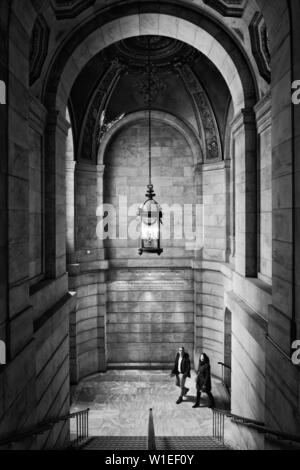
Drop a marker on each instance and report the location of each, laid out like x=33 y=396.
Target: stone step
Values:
x=118 y=443
x=188 y=443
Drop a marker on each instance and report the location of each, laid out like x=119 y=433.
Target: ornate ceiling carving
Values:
x=234 y=8
x=38 y=48
x=260 y=45
x=164 y=52
x=130 y=57
x=65 y=9
x=206 y=121
x=91 y=129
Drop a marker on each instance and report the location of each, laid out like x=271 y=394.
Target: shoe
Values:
x=212 y=406
x=186 y=391
x=196 y=405
x=179 y=401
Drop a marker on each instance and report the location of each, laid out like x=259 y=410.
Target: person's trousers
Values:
x=180 y=382
x=208 y=393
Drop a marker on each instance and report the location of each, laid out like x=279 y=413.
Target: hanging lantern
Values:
x=150 y=220
x=150 y=213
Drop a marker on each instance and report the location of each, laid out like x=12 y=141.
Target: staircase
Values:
x=119 y=443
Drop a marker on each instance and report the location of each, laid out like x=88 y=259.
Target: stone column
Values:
x=70 y=208
x=245 y=161
x=88 y=198
x=229 y=201
x=55 y=194
x=88 y=275
x=214 y=207
x=263 y=118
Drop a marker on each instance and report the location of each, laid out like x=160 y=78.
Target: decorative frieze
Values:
x=206 y=119
x=91 y=130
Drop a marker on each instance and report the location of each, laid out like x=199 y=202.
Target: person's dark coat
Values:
x=185 y=365
x=203 y=375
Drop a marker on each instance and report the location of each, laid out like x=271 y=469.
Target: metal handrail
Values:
x=82 y=428
x=265 y=430
x=241 y=419
x=151 y=433
x=218 y=426
x=224 y=365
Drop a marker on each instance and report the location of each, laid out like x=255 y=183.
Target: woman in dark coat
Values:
x=203 y=381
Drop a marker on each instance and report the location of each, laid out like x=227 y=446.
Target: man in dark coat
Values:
x=203 y=381
x=181 y=370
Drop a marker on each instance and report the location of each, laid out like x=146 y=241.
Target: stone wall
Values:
x=53 y=372
x=34 y=385
x=150 y=313
x=4 y=8
x=126 y=175
x=36 y=190
x=87 y=324
x=209 y=314
x=248 y=369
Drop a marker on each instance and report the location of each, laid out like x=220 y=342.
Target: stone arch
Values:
x=182 y=127
x=208 y=38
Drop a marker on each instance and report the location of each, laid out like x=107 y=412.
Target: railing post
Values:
x=151 y=433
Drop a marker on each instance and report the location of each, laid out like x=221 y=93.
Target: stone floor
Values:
x=119 y=403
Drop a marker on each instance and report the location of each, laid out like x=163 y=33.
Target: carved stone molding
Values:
x=169 y=119
x=90 y=135
x=55 y=121
x=206 y=121
x=234 y=8
x=260 y=45
x=38 y=48
x=263 y=112
x=67 y=9
x=37 y=115
x=245 y=118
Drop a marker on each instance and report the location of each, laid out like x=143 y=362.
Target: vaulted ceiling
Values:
x=170 y=59
x=190 y=85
